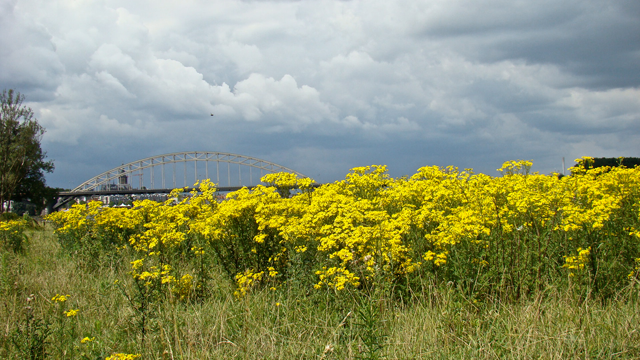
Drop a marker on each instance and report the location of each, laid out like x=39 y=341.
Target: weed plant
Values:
x=444 y=264
x=432 y=321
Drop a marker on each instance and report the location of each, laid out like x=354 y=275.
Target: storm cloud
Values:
x=323 y=86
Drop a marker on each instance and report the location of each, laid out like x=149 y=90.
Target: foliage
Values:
x=31 y=336
x=8 y=216
x=369 y=329
x=507 y=236
x=587 y=163
x=21 y=156
x=470 y=237
x=34 y=194
x=12 y=236
x=431 y=319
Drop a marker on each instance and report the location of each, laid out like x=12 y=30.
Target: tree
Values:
x=21 y=156
x=587 y=163
x=32 y=189
x=628 y=162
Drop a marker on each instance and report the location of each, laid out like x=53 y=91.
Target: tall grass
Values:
x=445 y=264
x=430 y=321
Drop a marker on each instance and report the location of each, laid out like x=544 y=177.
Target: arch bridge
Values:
x=163 y=173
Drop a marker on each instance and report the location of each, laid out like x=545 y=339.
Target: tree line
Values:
x=22 y=161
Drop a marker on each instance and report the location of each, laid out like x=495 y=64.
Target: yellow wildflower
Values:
x=87 y=339
x=71 y=312
x=60 y=298
x=121 y=356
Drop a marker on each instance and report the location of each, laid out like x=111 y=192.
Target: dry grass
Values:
x=290 y=323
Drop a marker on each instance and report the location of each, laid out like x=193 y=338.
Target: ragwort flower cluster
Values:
x=514 y=233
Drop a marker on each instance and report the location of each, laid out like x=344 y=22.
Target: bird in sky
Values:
x=211 y=114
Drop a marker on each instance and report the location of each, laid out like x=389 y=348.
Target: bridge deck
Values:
x=139 y=191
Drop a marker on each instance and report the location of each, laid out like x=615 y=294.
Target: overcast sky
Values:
x=323 y=86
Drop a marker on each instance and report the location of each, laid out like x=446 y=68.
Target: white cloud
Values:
x=246 y=57
x=281 y=101
x=614 y=105
x=368 y=79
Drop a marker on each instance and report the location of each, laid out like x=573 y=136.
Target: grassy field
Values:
x=425 y=321
x=443 y=264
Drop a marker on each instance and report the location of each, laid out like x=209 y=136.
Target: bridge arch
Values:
x=118 y=177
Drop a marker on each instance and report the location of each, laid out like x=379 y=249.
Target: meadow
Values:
x=445 y=263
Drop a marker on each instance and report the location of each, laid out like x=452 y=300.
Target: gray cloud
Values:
x=325 y=86
x=599 y=41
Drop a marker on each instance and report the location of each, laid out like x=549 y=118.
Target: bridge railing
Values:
x=162 y=173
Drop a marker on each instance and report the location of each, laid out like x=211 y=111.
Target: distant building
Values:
x=123 y=183
x=123 y=178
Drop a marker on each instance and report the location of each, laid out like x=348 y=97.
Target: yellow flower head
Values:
x=577 y=262
x=121 y=356
x=136 y=264
x=60 y=298
x=71 y=312
x=87 y=339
